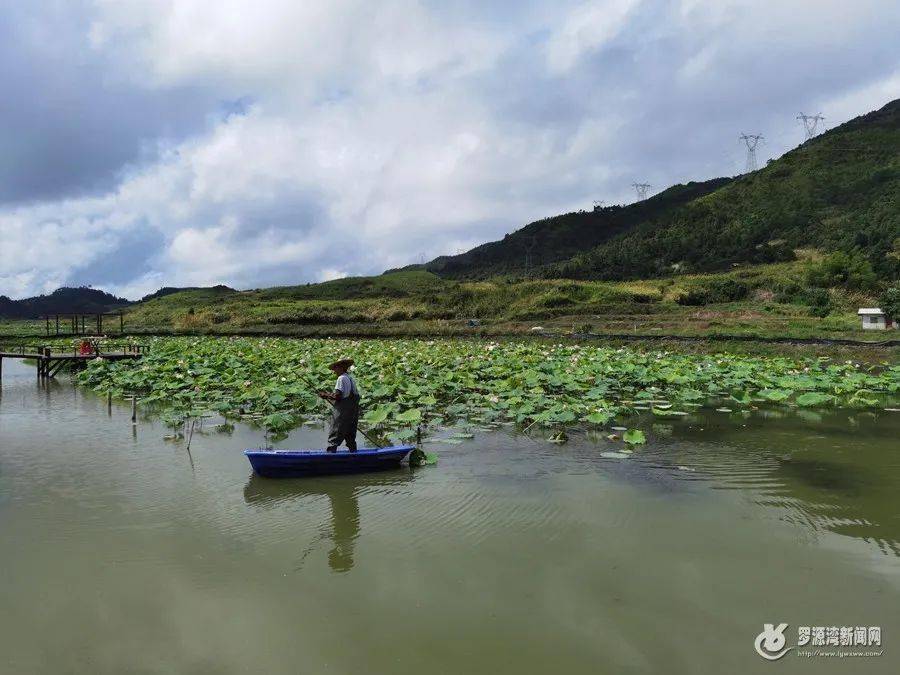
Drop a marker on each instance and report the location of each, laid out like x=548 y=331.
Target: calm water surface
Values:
x=123 y=552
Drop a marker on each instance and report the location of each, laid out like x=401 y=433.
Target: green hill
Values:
x=562 y=237
x=171 y=290
x=361 y=299
x=837 y=192
x=62 y=300
x=740 y=301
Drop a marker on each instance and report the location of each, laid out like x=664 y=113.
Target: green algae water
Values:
x=124 y=552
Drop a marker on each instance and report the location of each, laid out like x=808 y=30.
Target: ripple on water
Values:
x=839 y=482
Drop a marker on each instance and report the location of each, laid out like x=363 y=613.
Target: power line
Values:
x=642 y=189
x=810 y=123
x=751 y=141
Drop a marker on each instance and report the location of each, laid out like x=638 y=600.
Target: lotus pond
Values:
x=414 y=385
x=128 y=548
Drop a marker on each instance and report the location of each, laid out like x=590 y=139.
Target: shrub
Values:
x=817 y=299
x=398 y=315
x=556 y=299
x=787 y=292
x=848 y=270
x=889 y=301
x=771 y=253
x=583 y=329
x=713 y=291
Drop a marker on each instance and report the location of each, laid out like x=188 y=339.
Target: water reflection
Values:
x=835 y=472
x=343 y=493
x=820 y=474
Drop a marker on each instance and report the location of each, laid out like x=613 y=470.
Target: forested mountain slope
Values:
x=561 y=237
x=838 y=191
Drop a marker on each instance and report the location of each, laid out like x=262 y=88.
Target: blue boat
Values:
x=284 y=463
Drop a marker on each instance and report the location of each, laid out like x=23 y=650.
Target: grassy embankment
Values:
x=418 y=302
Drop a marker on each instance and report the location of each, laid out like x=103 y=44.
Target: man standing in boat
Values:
x=345 y=416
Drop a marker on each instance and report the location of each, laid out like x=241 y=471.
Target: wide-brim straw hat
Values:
x=341 y=362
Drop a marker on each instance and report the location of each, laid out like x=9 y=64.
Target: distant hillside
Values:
x=62 y=300
x=561 y=237
x=336 y=301
x=838 y=191
x=171 y=290
x=758 y=300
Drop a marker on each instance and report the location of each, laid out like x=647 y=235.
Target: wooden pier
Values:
x=80 y=323
x=51 y=359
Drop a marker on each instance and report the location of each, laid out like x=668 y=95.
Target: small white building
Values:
x=874 y=319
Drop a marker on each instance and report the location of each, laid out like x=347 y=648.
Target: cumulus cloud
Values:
x=285 y=142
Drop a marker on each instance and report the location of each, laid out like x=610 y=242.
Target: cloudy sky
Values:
x=191 y=142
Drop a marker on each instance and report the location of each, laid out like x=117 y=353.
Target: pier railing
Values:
x=51 y=358
x=42 y=350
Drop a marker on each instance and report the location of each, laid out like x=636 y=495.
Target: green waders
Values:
x=344 y=420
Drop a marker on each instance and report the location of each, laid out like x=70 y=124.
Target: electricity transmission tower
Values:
x=751 y=140
x=599 y=204
x=810 y=123
x=642 y=190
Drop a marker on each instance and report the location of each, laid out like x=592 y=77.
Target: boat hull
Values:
x=294 y=463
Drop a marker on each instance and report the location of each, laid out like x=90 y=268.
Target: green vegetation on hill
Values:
x=772 y=300
x=562 y=237
x=62 y=300
x=837 y=192
x=760 y=300
x=170 y=290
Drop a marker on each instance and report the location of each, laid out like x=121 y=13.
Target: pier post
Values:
x=134 y=409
